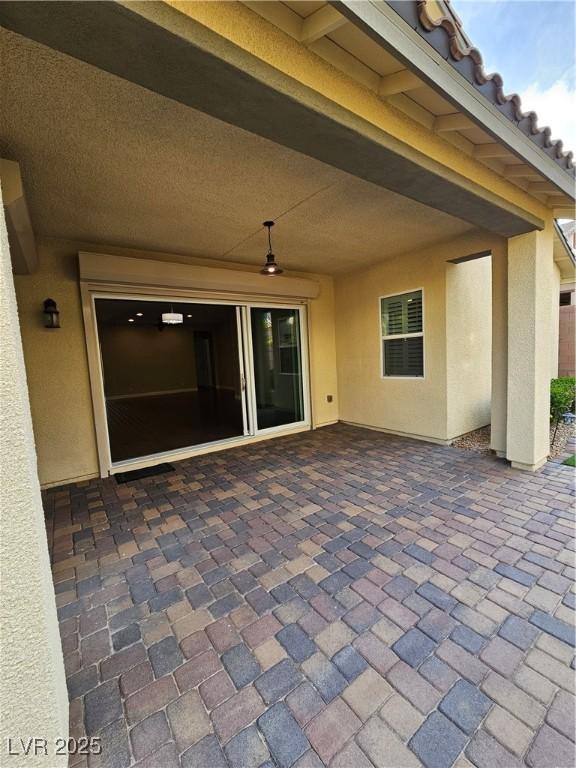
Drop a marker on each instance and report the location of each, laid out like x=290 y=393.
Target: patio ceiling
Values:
x=196 y=63
x=106 y=161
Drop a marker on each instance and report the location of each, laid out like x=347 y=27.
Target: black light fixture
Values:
x=51 y=310
x=270 y=268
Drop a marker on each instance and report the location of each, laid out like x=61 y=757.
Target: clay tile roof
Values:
x=448 y=39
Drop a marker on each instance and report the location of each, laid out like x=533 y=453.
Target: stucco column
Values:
x=499 y=349
x=33 y=697
x=531 y=282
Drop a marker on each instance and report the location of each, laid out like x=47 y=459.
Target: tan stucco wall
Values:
x=468 y=345
x=531 y=331
x=322 y=341
x=33 y=696
x=57 y=367
x=499 y=347
x=419 y=407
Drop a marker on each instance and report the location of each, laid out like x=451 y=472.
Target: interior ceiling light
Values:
x=172 y=318
x=130 y=319
x=138 y=314
x=188 y=315
x=270 y=268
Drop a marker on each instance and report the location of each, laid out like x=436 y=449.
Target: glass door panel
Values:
x=169 y=386
x=277 y=361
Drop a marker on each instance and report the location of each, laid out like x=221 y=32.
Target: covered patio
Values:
x=341 y=598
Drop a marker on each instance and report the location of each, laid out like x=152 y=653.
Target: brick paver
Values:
x=341 y=597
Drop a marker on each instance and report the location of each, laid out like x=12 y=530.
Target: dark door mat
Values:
x=139 y=474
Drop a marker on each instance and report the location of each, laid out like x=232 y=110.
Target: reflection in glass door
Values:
x=277 y=361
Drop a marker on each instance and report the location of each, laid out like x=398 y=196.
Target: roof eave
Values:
x=566 y=259
x=382 y=21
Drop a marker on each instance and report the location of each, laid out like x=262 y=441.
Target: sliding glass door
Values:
x=277 y=367
x=181 y=375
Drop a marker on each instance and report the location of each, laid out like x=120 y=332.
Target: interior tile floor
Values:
x=337 y=598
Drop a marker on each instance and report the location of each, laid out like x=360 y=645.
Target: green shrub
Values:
x=562 y=397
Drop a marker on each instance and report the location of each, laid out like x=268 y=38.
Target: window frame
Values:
x=383 y=338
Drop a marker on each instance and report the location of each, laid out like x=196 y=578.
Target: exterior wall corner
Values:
x=33 y=697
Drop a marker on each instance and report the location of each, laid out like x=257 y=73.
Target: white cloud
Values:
x=556 y=108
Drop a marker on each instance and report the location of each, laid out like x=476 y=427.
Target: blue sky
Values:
x=532 y=44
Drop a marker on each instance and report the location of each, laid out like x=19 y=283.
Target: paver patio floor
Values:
x=340 y=597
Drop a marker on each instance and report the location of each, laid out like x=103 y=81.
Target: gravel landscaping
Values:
x=479 y=439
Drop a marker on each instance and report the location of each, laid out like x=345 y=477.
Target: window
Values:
x=565 y=299
x=402 y=335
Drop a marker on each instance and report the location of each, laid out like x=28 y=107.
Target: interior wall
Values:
x=469 y=345
x=225 y=346
x=419 y=407
x=57 y=368
x=143 y=360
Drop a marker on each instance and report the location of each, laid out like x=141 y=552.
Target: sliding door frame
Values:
x=303 y=332
x=91 y=292
x=246 y=418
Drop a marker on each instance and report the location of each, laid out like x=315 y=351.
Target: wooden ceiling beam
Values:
x=398 y=82
x=563 y=211
x=488 y=151
x=544 y=188
x=453 y=122
x=521 y=172
x=321 y=23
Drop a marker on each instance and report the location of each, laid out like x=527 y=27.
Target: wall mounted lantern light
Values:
x=52 y=313
x=270 y=268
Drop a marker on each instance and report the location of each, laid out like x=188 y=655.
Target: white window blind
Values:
x=402 y=335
